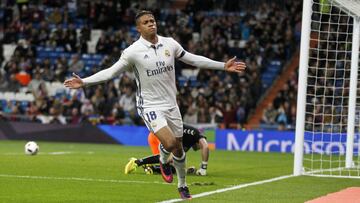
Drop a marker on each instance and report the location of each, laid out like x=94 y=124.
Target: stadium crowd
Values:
x=216 y=29
x=328 y=79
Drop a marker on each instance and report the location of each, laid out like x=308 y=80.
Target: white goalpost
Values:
x=328 y=104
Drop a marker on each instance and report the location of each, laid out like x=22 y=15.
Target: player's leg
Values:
x=157 y=123
x=179 y=156
x=133 y=163
x=179 y=162
x=153 y=142
x=156 y=169
x=154 y=159
x=168 y=144
x=154 y=146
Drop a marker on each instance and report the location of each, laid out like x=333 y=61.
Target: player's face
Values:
x=147 y=25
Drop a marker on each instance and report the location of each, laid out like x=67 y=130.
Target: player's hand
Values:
x=201 y=172
x=74 y=83
x=235 y=66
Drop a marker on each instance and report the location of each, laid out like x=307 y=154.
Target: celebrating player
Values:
x=192 y=138
x=151 y=59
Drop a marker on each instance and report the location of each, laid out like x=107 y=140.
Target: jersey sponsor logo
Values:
x=167 y=53
x=161 y=68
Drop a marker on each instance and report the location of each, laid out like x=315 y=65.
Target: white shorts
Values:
x=156 y=118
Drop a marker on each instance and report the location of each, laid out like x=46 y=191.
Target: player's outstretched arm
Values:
x=74 y=83
x=202 y=62
x=235 y=66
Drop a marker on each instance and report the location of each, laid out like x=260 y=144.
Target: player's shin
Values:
x=164 y=154
x=148 y=160
x=180 y=166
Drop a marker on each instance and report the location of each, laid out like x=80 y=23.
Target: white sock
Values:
x=180 y=166
x=204 y=165
x=164 y=155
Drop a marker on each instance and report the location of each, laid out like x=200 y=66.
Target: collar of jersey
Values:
x=149 y=44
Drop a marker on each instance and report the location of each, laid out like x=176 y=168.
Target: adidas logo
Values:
x=146 y=56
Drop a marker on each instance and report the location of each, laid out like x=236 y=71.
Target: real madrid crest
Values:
x=167 y=53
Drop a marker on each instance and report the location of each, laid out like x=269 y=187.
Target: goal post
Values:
x=328 y=100
x=303 y=66
x=353 y=91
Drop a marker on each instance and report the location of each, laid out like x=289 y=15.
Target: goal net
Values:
x=328 y=111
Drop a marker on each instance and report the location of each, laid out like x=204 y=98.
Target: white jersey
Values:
x=154 y=70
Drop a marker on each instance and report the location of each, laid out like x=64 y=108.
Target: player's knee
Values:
x=178 y=150
x=170 y=144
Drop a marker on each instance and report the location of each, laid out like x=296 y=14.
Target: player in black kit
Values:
x=192 y=138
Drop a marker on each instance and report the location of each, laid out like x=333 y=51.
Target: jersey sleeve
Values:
x=120 y=66
x=196 y=60
x=179 y=50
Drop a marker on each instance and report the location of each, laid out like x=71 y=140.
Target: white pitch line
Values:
x=52 y=153
x=80 y=179
x=230 y=188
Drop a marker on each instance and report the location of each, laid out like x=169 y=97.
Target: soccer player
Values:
x=151 y=59
x=192 y=138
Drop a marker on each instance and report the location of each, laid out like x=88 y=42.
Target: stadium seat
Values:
x=39 y=48
x=182 y=81
x=59 y=49
x=30 y=97
x=20 y=96
x=272 y=70
x=193 y=81
x=9 y=96
x=97 y=56
x=54 y=55
x=86 y=56
x=48 y=49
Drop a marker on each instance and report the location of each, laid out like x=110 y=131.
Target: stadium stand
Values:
x=53 y=39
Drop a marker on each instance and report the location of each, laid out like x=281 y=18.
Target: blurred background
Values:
x=44 y=41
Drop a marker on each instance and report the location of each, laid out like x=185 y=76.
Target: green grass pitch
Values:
x=95 y=173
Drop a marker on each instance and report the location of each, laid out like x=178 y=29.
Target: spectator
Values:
x=71 y=104
x=76 y=65
x=216 y=116
x=229 y=114
x=55 y=16
x=23 y=77
x=87 y=107
x=257 y=35
x=13 y=85
x=191 y=116
x=269 y=115
x=75 y=118
x=56 y=116
x=35 y=83
x=127 y=100
x=281 y=116
x=41 y=92
x=3 y=83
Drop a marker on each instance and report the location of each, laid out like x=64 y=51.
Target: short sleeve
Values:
x=179 y=50
x=125 y=58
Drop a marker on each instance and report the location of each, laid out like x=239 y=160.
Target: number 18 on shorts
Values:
x=157 y=119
